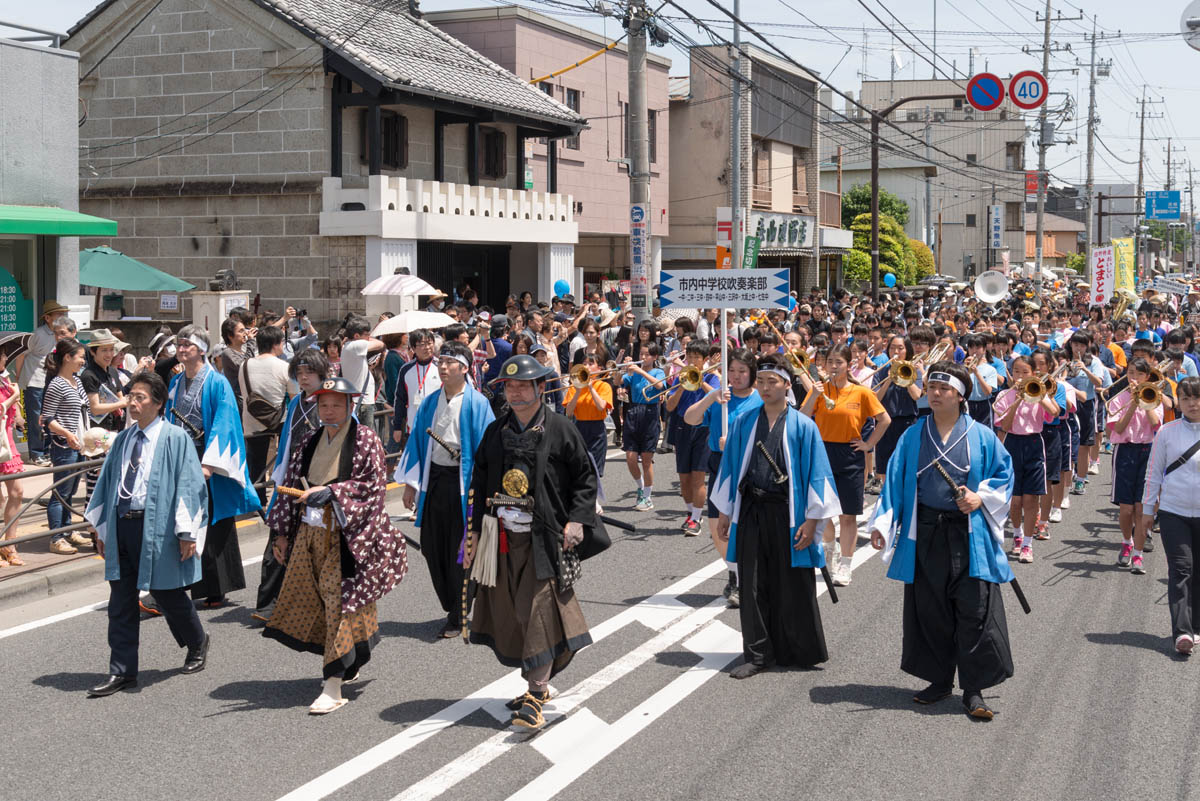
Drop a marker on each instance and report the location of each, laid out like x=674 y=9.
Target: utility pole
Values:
x=1092 y=122
x=1168 y=186
x=1191 y=216
x=639 y=163
x=933 y=61
x=928 y=180
x=1140 y=266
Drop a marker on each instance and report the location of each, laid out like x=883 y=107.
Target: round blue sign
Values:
x=985 y=91
x=637 y=213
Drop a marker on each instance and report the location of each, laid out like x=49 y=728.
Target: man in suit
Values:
x=149 y=512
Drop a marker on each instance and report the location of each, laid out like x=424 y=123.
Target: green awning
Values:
x=53 y=221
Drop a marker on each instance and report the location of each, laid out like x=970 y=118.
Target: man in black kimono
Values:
x=533 y=486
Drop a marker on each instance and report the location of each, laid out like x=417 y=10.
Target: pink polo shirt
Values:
x=1028 y=419
x=1139 y=429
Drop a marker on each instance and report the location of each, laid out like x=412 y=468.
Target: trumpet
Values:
x=824 y=378
x=690 y=379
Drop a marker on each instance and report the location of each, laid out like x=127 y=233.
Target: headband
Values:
x=774 y=370
x=458 y=357
x=946 y=378
x=200 y=344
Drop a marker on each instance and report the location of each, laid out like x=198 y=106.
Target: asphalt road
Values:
x=1099 y=707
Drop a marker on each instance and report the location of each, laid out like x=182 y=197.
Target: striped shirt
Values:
x=65 y=404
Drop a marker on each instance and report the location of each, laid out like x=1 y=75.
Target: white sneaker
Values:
x=1066 y=503
x=841 y=572
x=1094 y=469
x=1055 y=515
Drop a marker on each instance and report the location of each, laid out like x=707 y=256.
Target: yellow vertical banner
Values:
x=1123 y=252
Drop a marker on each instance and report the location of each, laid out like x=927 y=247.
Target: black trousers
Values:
x=781 y=623
x=441 y=536
x=1181 y=542
x=952 y=620
x=221 y=562
x=123 y=614
x=258 y=449
x=270 y=576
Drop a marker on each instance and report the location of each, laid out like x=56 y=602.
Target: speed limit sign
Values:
x=1028 y=89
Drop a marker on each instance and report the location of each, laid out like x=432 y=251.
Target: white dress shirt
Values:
x=1176 y=493
x=445 y=425
x=140 y=482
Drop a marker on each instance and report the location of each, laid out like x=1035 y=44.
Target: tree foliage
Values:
x=858 y=201
x=924 y=257
x=895 y=254
x=1077 y=262
x=856 y=266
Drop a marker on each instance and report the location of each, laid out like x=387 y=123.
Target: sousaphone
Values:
x=991 y=286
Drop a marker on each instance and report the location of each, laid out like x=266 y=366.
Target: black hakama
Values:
x=441 y=537
x=952 y=620
x=781 y=623
x=220 y=561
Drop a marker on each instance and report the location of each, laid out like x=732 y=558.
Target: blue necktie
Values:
x=125 y=496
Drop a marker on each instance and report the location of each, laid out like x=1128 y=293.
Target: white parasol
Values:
x=400 y=284
x=408 y=321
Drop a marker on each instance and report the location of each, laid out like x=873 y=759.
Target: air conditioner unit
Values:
x=912 y=116
x=939 y=116
x=969 y=113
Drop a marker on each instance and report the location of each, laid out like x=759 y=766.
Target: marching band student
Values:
x=1087 y=374
x=590 y=405
x=1131 y=429
x=841 y=430
x=1022 y=420
x=435 y=470
x=691 y=442
x=899 y=402
x=1053 y=432
x=706 y=413
x=775 y=485
x=1171 y=480
x=923 y=340
x=983 y=380
x=948 y=547
x=642 y=427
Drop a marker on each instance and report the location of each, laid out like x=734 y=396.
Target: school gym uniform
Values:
x=691 y=442
x=712 y=421
x=1053 y=432
x=1086 y=413
x=901 y=407
x=979 y=402
x=853 y=406
x=590 y=421
x=1132 y=450
x=1024 y=443
x=642 y=424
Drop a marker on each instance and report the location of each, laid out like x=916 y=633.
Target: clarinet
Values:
x=195 y=433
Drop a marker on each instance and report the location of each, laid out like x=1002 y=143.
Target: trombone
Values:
x=577 y=377
x=799 y=359
x=690 y=379
x=1031 y=389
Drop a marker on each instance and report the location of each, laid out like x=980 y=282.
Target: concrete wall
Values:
x=532 y=45
x=39 y=140
x=206 y=140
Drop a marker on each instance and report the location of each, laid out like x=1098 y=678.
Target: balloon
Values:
x=889 y=280
x=561 y=287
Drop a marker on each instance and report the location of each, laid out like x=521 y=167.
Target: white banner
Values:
x=724 y=289
x=1172 y=287
x=1104 y=275
x=996 y=226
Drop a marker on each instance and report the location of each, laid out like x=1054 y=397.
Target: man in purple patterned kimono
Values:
x=341 y=550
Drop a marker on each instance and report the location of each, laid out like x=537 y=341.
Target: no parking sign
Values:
x=985 y=91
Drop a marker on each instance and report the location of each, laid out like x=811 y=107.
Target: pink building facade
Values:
x=589 y=169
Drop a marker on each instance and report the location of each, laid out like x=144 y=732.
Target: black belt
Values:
x=134 y=514
x=764 y=496
x=930 y=514
x=452 y=469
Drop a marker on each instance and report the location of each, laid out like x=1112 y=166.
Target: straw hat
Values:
x=96 y=441
x=102 y=336
x=53 y=307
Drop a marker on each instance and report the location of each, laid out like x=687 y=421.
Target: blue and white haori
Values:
x=989 y=474
x=813 y=494
x=176 y=506
x=474 y=416
x=224 y=450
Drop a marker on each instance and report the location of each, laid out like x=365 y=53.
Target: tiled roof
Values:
x=407 y=53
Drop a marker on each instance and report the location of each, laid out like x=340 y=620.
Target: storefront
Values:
x=30 y=258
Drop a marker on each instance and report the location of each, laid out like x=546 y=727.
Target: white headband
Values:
x=777 y=371
x=946 y=378
x=200 y=344
x=458 y=357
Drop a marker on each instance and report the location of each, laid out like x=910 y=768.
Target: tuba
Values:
x=991 y=286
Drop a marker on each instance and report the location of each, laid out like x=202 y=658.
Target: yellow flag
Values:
x=1123 y=252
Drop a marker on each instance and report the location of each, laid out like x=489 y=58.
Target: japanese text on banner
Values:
x=1103 y=274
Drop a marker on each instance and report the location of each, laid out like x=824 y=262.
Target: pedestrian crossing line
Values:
x=663 y=603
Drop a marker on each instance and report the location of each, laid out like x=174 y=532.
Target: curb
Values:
x=61 y=579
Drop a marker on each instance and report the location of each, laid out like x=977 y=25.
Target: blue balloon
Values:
x=561 y=287
x=889 y=279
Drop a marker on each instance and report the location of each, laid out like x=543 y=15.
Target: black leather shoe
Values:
x=114 y=684
x=197 y=657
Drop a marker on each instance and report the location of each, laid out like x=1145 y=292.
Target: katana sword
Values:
x=455 y=453
x=959 y=492
x=781 y=478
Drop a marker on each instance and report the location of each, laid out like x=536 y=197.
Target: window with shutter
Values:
x=495 y=154
x=394 y=139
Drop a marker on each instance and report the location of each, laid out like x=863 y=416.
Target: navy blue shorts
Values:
x=1028 y=455
x=1087 y=422
x=1052 y=442
x=691 y=449
x=847 y=465
x=981 y=411
x=1072 y=442
x=595 y=439
x=887 y=443
x=868 y=429
x=642 y=428
x=714 y=467
x=1129 y=472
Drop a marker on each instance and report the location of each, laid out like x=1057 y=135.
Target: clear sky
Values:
x=828 y=36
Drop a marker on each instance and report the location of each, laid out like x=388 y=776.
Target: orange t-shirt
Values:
x=853 y=404
x=586 y=409
x=1118 y=354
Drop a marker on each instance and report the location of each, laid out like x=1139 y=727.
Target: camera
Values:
x=302 y=313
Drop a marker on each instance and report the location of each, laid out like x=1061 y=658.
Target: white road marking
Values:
x=502 y=689
x=83 y=610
